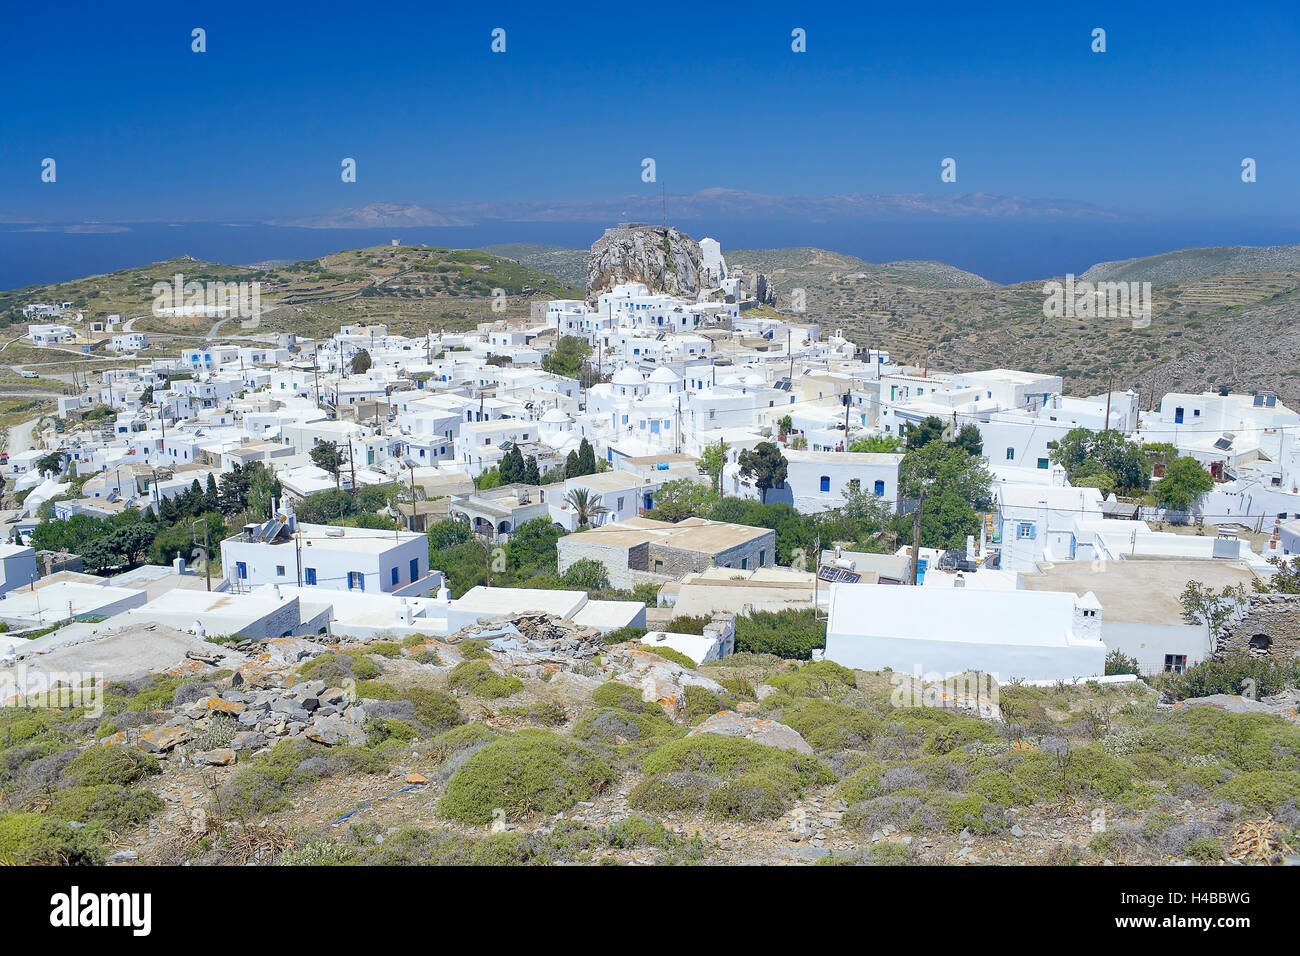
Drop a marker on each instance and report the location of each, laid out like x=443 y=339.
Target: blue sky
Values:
x=256 y=127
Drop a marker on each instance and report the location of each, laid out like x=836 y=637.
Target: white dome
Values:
x=730 y=381
x=627 y=376
x=555 y=415
x=665 y=375
x=753 y=378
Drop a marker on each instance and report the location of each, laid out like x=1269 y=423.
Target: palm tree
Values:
x=585 y=505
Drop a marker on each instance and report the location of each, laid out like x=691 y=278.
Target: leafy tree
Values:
x=876 y=444
x=326 y=456
x=586 y=575
x=712 y=462
x=765 y=466
x=489 y=478
x=1183 y=484
x=361 y=362
x=1080 y=451
x=447 y=534
x=327 y=507
x=211 y=497
x=1286 y=580
x=52 y=463
x=587 y=458
x=568 y=356
x=513 y=468
x=950 y=484
x=1202 y=606
x=683 y=498
x=923 y=432
x=585 y=505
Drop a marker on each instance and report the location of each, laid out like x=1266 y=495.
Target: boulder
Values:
x=758 y=729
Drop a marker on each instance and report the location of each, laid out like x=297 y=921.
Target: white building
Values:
x=325 y=556
x=1031 y=635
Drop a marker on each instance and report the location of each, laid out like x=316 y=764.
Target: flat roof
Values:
x=1136 y=590
x=958 y=615
x=693 y=534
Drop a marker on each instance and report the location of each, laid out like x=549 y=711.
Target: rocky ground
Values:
x=531 y=741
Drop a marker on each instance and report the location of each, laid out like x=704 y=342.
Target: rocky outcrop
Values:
x=665 y=260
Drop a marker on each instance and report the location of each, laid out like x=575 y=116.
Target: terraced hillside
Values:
x=1226 y=328
x=412 y=288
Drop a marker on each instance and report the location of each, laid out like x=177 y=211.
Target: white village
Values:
x=365 y=453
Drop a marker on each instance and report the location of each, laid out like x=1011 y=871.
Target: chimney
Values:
x=179 y=564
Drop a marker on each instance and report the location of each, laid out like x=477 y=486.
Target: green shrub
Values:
x=818 y=679
x=476 y=677
x=624 y=697
x=671 y=793
x=688 y=625
x=108 y=765
x=385 y=649
x=973 y=812
x=700 y=703
x=787 y=634
x=328 y=668
x=750 y=797
x=435 y=709
x=453 y=741
x=106 y=803
x=28 y=839
x=1229 y=675
x=731 y=756
x=739 y=688
x=825 y=725
x=748 y=780
x=318 y=853
x=473 y=649
x=668 y=654
x=531 y=771
x=1205 y=849
x=862 y=784
x=547 y=713
x=1261 y=790
x=613 y=728
x=619 y=635
x=363 y=668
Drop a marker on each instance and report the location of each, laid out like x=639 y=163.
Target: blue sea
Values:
x=1001 y=250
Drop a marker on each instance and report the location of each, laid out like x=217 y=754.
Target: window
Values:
x=1025 y=531
x=1043 y=463
x=879 y=489
x=1176 y=663
x=356 y=581
x=279 y=570
x=309 y=575
x=826 y=483
x=1011 y=454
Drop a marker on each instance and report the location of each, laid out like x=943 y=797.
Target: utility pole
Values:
x=916 y=536
x=1106 y=426
x=207 y=554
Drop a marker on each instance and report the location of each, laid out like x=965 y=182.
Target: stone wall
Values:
x=1271 y=628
